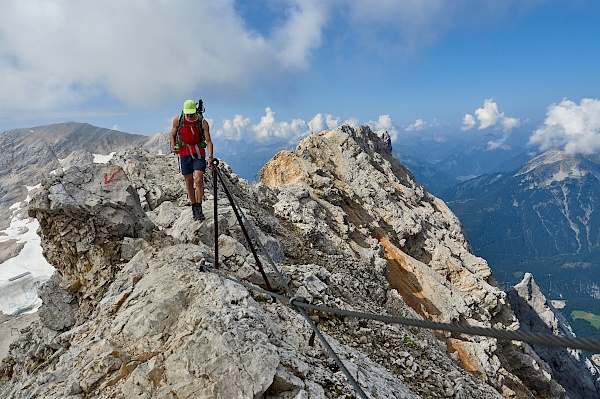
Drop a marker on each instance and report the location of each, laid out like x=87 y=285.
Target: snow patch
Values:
x=21 y=275
x=572 y=172
x=99 y=158
x=560 y=176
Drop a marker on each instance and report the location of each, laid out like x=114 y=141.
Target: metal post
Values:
x=245 y=232
x=214 y=163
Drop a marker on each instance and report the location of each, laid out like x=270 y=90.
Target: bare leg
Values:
x=199 y=181
x=189 y=186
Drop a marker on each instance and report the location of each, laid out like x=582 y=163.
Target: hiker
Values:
x=190 y=138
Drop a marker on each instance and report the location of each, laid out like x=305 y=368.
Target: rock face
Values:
x=348 y=226
x=576 y=373
x=26 y=155
x=83 y=217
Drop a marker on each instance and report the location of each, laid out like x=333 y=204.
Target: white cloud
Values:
x=266 y=129
x=468 y=122
x=418 y=125
x=385 y=123
x=301 y=33
x=576 y=128
x=499 y=144
x=234 y=129
x=323 y=122
x=490 y=117
x=509 y=124
x=269 y=128
x=352 y=122
x=63 y=53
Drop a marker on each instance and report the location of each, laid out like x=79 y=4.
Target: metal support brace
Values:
x=295 y=298
x=216 y=173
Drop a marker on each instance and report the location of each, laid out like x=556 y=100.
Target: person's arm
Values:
x=174 y=126
x=209 y=143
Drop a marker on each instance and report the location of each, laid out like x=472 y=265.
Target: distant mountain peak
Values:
x=536 y=220
x=556 y=165
x=537 y=315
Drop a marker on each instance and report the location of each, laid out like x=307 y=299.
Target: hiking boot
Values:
x=197 y=211
x=200 y=214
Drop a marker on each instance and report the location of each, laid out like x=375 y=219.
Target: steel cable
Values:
x=587 y=344
x=251 y=230
x=300 y=304
x=312 y=325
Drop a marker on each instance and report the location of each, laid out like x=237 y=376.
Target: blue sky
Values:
x=283 y=68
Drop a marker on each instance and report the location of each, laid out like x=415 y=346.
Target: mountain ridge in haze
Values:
x=541 y=218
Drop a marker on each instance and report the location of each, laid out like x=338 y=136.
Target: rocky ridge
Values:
x=30 y=153
x=571 y=368
x=130 y=314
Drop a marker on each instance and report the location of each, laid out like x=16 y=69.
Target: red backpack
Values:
x=193 y=135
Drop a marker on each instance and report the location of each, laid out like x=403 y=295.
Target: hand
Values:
x=175 y=150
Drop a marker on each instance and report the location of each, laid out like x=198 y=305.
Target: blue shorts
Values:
x=189 y=164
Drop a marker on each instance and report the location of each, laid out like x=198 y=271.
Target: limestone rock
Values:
x=83 y=218
x=576 y=373
x=347 y=227
x=59 y=311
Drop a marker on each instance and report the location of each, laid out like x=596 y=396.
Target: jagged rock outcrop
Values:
x=84 y=215
x=576 y=373
x=27 y=154
x=349 y=227
x=356 y=192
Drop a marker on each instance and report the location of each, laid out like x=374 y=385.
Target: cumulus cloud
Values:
x=323 y=122
x=490 y=116
x=384 y=122
x=499 y=144
x=576 y=128
x=269 y=128
x=234 y=129
x=418 y=125
x=468 y=122
x=59 y=53
x=352 y=122
x=509 y=124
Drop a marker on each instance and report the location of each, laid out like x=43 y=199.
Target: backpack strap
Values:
x=179 y=123
x=201 y=143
